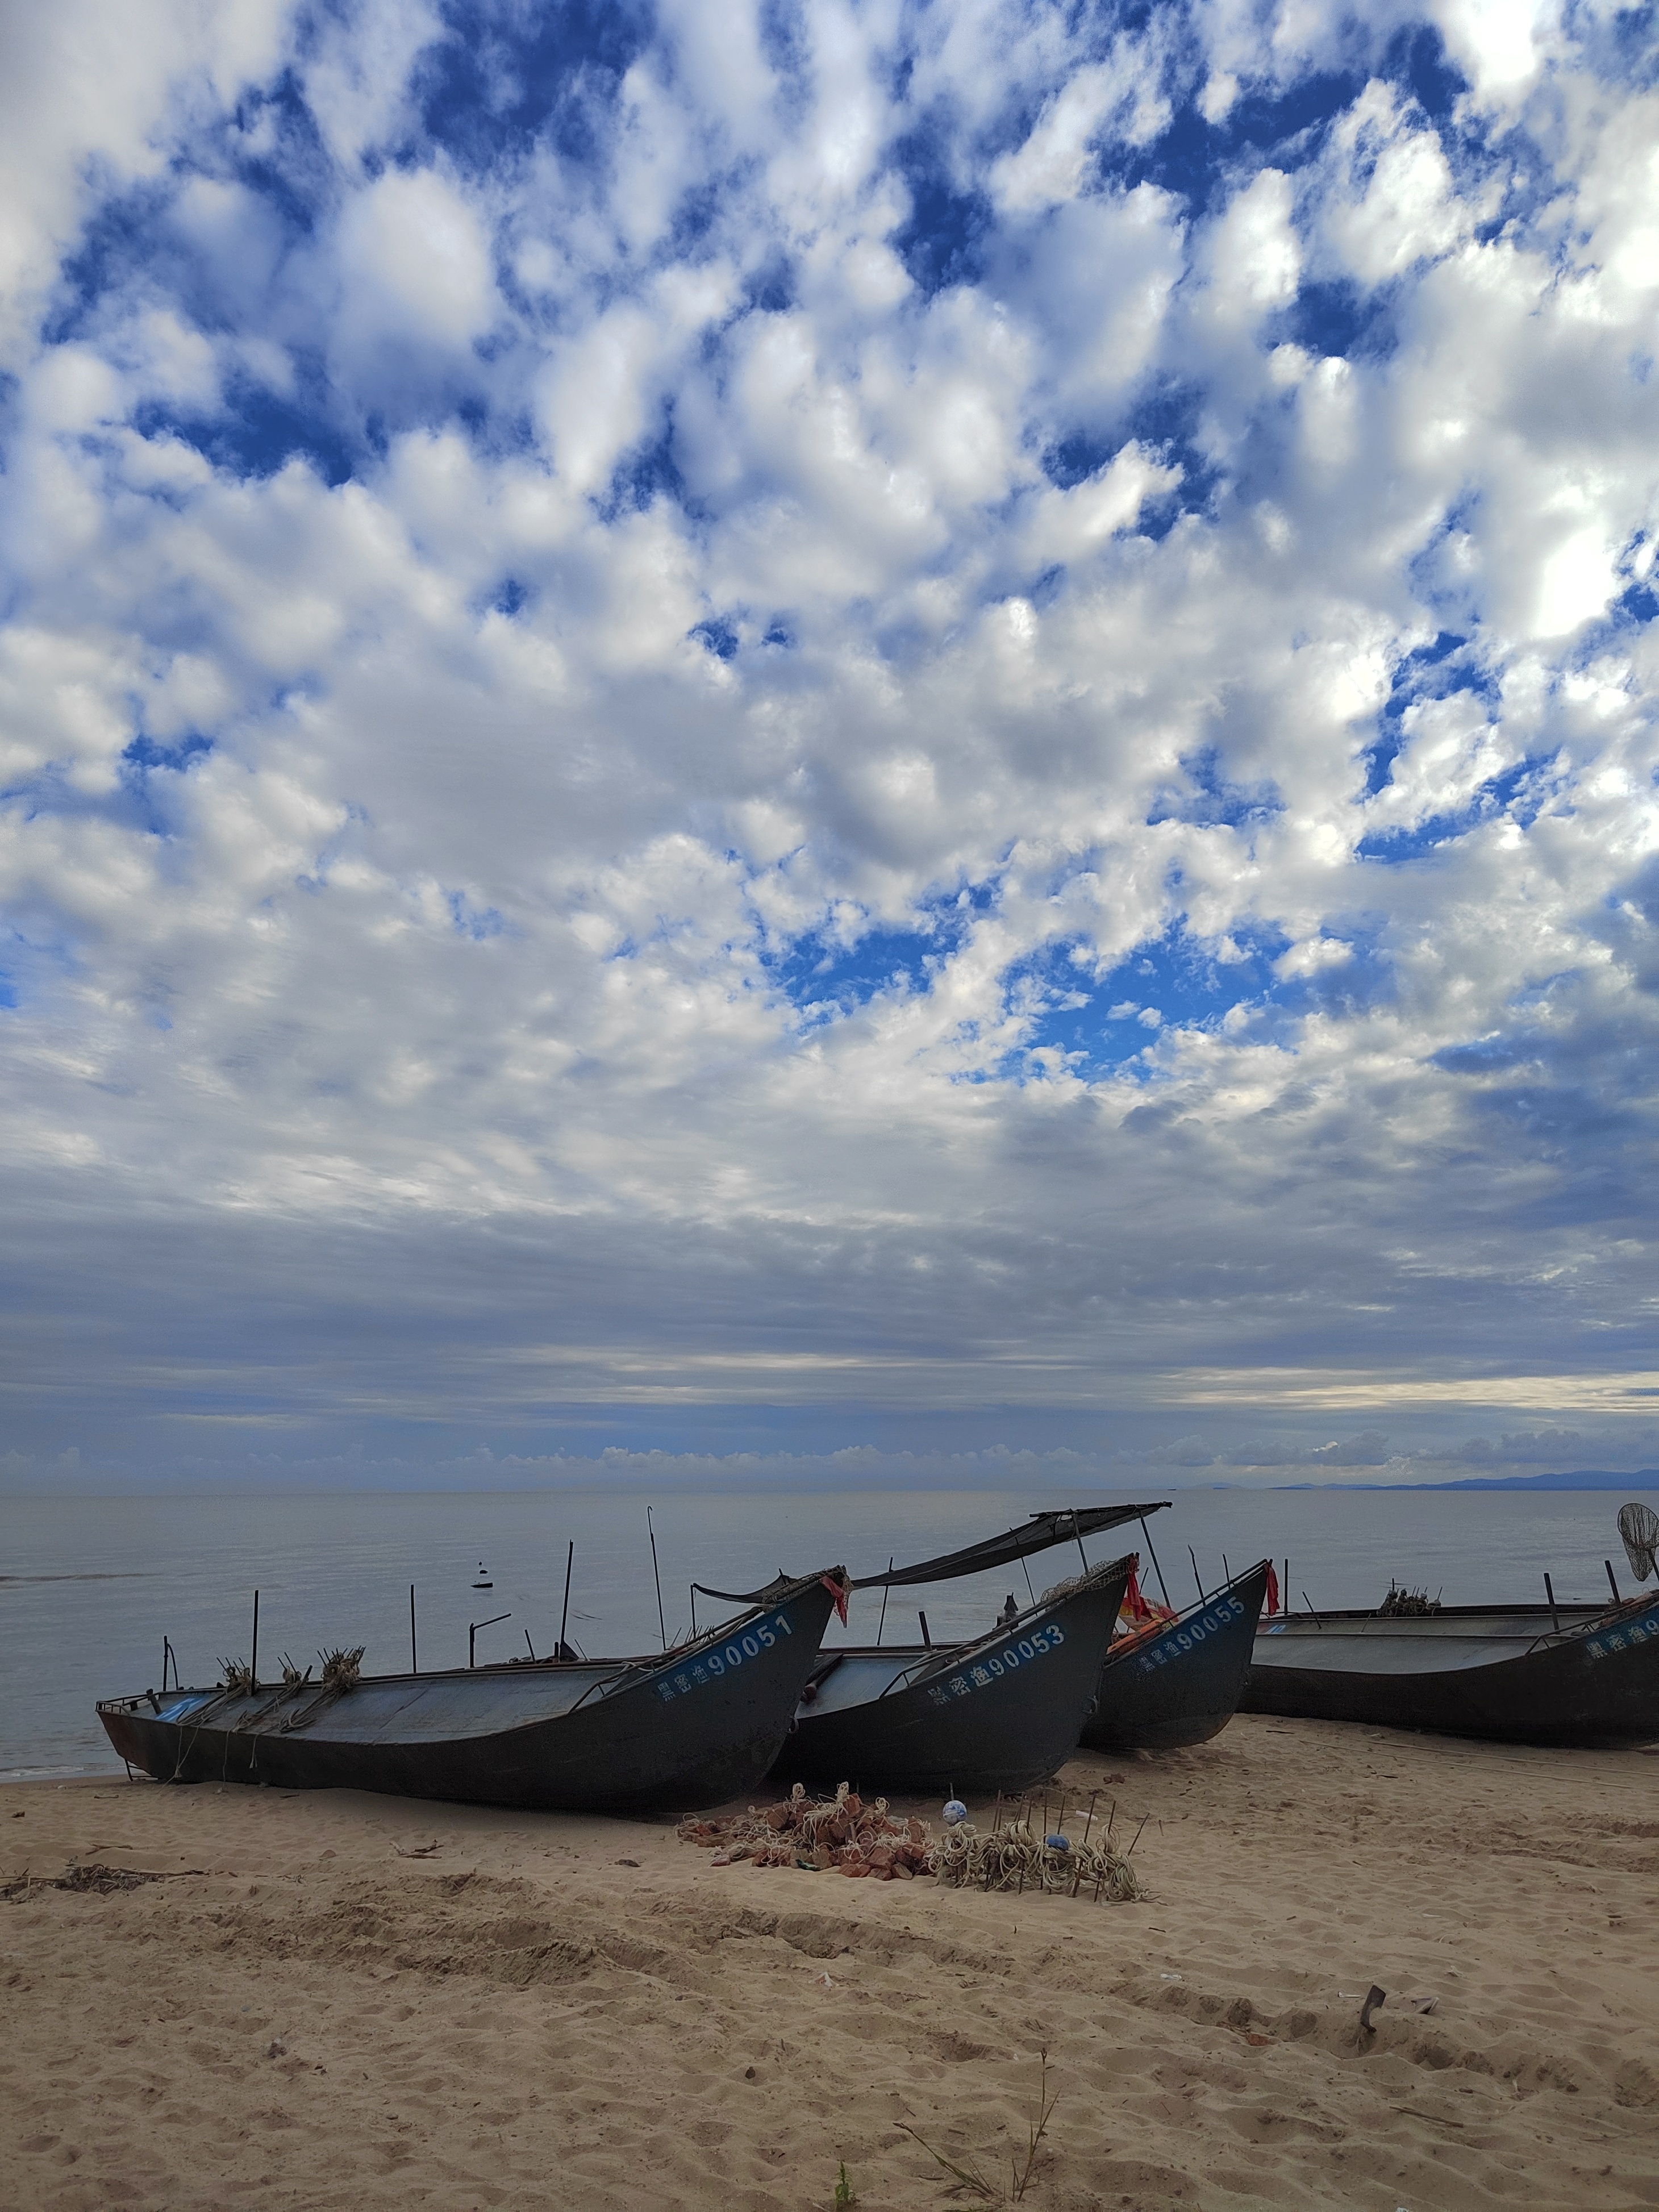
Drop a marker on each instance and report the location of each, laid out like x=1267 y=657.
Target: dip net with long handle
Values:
x=1638 y=1527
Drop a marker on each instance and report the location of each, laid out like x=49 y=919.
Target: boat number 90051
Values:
x=722 y=1658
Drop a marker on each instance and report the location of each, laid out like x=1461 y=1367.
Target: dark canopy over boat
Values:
x=1179 y=1681
x=997 y=1714
x=1070 y=1524
x=1541 y=1674
x=677 y=1730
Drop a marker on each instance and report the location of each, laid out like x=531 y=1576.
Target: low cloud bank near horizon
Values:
x=723 y=729
x=1057 y=1473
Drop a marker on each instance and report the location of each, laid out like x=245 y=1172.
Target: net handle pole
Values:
x=1157 y=1569
x=662 y=1626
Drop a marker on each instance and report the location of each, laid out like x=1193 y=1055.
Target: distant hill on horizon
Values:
x=1646 y=1478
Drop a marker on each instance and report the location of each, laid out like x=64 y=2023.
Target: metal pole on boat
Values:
x=1225 y=1568
x=473 y=1633
x=1152 y=1556
x=881 y=1622
x=1607 y=1564
x=414 y=1663
x=926 y=1637
x=693 y=1613
x=662 y=1626
x=1308 y=1602
x=1549 y=1592
x=254 y=1663
x=569 y=1561
x=1076 y=1534
x=1197 y=1577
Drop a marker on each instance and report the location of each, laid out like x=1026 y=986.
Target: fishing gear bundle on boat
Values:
x=1401 y=1604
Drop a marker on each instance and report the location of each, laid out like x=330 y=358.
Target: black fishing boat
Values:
x=1521 y=1673
x=997 y=1713
x=672 y=1731
x=1178 y=1680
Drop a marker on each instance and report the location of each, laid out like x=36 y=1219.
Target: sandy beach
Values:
x=545 y=2010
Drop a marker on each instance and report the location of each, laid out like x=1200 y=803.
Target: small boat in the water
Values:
x=1177 y=1678
x=997 y=1713
x=1552 y=1673
x=482 y=1581
x=672 y=1731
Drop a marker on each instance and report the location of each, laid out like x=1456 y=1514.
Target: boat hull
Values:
x=997 y=1714
x=695 y=1728
x=1507 y=1674
x=1182 y=1683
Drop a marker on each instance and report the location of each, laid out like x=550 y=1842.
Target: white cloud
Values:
x=414 y=269
x=90 y=89
x=1394 y=202
x=1254 y=255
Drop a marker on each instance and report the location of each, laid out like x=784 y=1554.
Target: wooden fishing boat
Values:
x=999 y=1713
x=1178 y=1680
x=1522 y=1674
x=669 y=1732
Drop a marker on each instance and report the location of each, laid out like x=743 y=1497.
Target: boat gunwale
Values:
x=1352 y=1625
x=614 y=1677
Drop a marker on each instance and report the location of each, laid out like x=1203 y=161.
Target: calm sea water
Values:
x=89 y=1587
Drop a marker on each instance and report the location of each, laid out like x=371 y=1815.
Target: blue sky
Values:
x=878 y=729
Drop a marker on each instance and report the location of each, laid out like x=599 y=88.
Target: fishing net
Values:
x=844 y=1833
x=1639 y=1527
x=840 y=1831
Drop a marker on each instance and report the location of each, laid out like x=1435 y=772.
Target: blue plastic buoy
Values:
x=955 y=1813
x=1058 y=1842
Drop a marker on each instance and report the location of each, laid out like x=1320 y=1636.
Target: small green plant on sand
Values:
x=844 y=2195
x=972 y=2175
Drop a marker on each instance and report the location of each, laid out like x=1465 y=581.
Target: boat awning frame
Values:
x=1070 y=1524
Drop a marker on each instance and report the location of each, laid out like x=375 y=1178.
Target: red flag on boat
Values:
x=838 y=1591
x=1133 y=1604
x=1272 y=1605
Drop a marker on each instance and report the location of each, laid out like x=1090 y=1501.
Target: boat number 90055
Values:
x=1171 y=1647
x=982 y=1673
x=722 y=1658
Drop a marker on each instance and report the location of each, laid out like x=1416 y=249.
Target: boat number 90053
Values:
x=722 y=1658
x=982 y=1672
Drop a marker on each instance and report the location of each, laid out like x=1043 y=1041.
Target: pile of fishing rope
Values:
x=818 y=1834
x=864 y=1841
x=1014 y=1855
